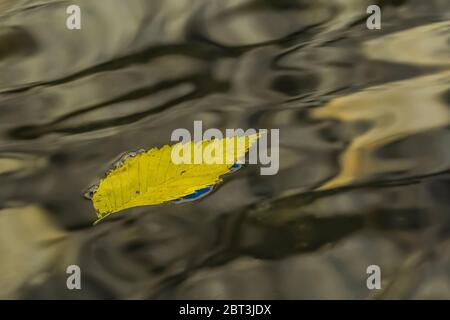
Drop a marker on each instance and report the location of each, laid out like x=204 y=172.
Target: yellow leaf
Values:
x=152 y=177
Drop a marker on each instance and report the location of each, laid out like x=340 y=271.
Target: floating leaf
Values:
x=200 y=193
x=152 y=177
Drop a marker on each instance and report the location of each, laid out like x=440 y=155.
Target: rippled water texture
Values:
x=364 y=147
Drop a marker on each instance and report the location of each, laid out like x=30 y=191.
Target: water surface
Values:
x=364 y=147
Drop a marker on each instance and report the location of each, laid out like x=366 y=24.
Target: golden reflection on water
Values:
x=394 y=110
x=397 y=109
x=31 y=243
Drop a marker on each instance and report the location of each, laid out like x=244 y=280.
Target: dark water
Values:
x=364 y=147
